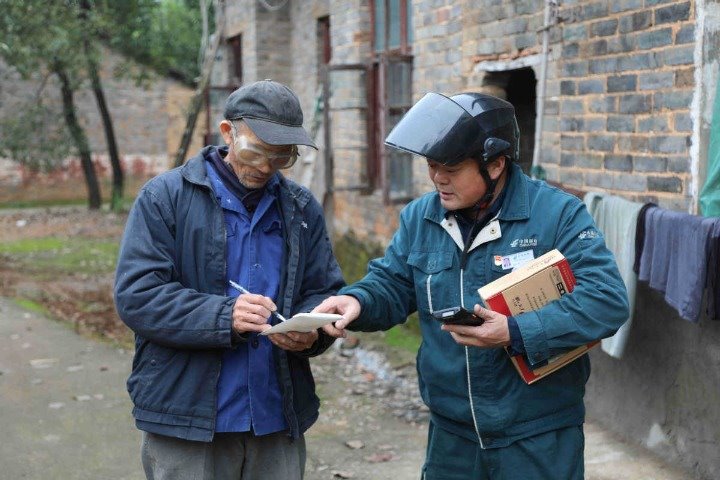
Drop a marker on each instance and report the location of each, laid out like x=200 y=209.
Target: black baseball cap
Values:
x=271 y=110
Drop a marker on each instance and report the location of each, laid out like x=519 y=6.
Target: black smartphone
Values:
x=457 y=316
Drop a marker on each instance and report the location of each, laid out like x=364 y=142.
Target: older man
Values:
x=213 y=398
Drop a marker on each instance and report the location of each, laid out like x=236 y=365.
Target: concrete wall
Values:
x=665 y=391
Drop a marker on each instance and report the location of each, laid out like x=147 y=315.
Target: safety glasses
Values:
x=257 y=156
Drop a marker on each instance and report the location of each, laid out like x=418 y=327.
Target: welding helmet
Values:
x=450 y=129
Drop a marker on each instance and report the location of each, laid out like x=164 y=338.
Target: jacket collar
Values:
x=515 y=207
x=517 y=203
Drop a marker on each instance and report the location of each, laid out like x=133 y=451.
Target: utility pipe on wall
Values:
x=550 y=6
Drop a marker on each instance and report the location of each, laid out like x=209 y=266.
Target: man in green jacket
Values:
x=485 y=218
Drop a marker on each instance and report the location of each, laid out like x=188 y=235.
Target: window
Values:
x=235 y=61
x=398 y=81
x=392 y=26
x=388 y=168
x=324 y=46
x=216 y=95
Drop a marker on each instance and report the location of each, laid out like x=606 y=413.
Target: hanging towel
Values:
x=675 y=258
x=640 y=235
x=617 y=219
x=713 y=280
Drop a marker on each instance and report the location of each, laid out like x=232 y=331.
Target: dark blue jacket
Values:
x=170 y=290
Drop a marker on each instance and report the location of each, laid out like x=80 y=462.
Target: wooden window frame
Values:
x=377 y=168
x=405 y=47
x=235 y=70
x=235 y=44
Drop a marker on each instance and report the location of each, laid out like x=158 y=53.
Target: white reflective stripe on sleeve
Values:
x=429 y=295
x=472 y=407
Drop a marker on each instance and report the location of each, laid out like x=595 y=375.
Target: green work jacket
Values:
x=476 y=392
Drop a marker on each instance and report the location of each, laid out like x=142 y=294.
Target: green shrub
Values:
x=51 y=256
x=353 y=255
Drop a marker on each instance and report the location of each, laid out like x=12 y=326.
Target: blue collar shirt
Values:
x=249 y=396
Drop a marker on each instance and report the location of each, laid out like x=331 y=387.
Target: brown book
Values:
x=528 y=288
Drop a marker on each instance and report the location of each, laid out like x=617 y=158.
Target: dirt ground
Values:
x=82 y=299
x=372 y=423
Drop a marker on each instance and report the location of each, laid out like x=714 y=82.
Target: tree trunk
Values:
x=78 y=134
x=197 y=100
x=118 y=180
x=116 y=199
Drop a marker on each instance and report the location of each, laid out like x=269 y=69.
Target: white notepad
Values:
x=303 y=322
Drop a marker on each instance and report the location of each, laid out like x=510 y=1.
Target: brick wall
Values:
x=272 y=30
x=239 y=19
x=356 y=207
x=625 y=77
x=439 y=44
x=620 y=83
x=281 y=45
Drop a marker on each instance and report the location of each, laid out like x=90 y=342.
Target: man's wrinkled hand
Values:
x=294 y=341
x=250 y=313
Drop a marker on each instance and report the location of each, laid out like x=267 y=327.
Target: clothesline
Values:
x=676 y=253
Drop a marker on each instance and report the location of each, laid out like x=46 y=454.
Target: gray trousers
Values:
x=230 y=456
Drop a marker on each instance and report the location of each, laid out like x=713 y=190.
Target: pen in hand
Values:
x=242 y=289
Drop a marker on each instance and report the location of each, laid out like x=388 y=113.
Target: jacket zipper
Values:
x=467 y=354
x=467 y=367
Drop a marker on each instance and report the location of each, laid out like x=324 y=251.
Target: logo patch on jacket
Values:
x=592 y=233
x=524 y=243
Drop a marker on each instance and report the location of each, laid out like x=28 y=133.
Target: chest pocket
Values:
x=230 y=229
x=436 y=285
x=272 y=228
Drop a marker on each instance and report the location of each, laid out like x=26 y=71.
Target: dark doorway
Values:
x=520 y=90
